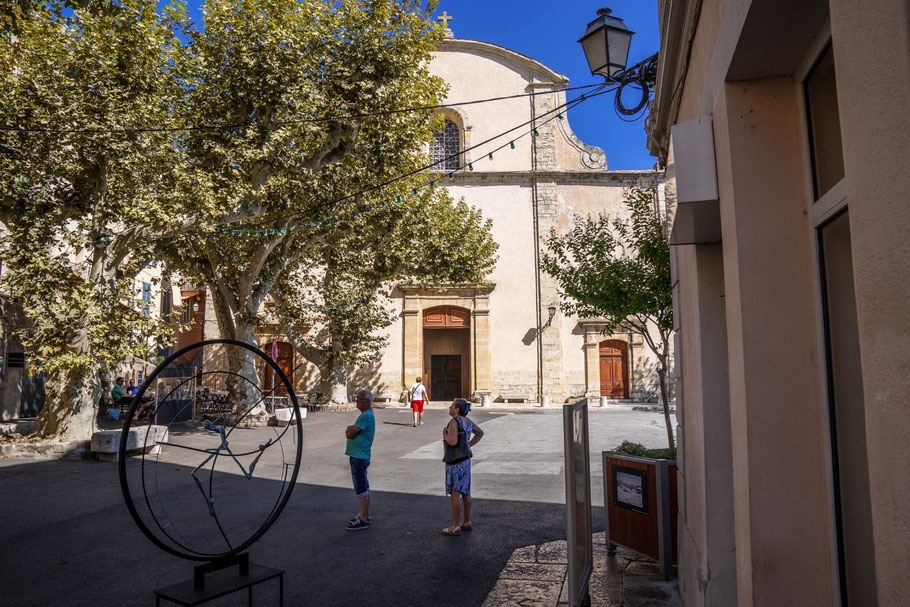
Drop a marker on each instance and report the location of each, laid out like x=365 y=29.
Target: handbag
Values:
x=460 y=451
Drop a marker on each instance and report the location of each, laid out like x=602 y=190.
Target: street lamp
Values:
x=606 y=43
x=552 y=310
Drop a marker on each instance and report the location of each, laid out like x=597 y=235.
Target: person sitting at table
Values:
x=117 y=392
x=131 y=390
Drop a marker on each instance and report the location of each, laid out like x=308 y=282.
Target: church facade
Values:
x=506 y=337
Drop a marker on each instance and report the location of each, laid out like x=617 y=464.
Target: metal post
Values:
x=664 y=537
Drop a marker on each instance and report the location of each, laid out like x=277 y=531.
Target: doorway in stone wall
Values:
x=446 y=352
x=614 y=369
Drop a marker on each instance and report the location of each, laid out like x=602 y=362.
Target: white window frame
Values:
x=819 y=212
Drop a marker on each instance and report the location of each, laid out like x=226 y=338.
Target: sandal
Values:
x=466 y=526
x=452 y=530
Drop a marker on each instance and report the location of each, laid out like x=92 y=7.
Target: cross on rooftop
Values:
x=444 y=19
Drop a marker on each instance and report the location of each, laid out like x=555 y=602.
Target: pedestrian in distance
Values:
x=417 y=396
x=358 y=449
x=457 y=435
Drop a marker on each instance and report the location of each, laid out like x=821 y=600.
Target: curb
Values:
x=529 y=407
x=76 y=449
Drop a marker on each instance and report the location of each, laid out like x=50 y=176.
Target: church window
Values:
x=445 y=148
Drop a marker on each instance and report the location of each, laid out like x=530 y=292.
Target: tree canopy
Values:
x=78 y=185
x=131 y=135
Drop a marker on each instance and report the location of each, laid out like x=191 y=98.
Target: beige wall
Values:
x=765 y=271
x=872 y=56
x=525 y=192
x=782 y=544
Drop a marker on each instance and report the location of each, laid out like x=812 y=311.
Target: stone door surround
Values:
x=476 y=299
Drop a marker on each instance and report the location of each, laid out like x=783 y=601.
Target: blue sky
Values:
x=548 y=31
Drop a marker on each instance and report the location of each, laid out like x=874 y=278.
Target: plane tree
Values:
x=85 y=188
x=311 y=100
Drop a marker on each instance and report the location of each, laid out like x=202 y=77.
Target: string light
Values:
x=431 y=183
x=279 y=123
x=288 y=298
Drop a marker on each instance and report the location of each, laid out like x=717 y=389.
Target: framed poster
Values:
x=630 y=489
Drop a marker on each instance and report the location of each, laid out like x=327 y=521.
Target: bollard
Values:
x=544 y=401
x=603 y=401
x=485 y=401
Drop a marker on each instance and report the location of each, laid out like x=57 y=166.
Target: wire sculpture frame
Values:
x=175 y=546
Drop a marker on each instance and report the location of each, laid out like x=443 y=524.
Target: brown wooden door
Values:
x=285 y=361
x=445 y=374
x=614 y=369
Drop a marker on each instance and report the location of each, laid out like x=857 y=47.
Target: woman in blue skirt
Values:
x=458 y=475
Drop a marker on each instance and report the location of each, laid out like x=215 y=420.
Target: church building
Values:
x=506 y=337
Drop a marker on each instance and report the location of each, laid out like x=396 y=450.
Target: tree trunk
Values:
x=71 y=409
x=334 y=382
x=243 y=383
x=662 y=378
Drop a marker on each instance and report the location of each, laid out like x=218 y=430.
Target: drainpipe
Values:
x=537 y=299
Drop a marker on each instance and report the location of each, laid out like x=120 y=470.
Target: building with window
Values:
x=783 y=130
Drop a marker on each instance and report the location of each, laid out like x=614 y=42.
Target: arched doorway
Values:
x=614 y=369
x=446 y=352
x=285 y=360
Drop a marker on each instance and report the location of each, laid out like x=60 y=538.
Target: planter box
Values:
x=640 y=507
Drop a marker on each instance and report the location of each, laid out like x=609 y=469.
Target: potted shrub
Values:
x=640 y=502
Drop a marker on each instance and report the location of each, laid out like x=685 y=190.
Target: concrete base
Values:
x=250 y=421
x=105 y=445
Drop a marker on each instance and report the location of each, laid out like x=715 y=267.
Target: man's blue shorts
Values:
x=359 y=474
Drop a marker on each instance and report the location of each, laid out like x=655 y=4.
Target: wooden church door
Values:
x=285 y=360
x=614 y=369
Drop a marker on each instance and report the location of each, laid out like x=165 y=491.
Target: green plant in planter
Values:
x=639 y=450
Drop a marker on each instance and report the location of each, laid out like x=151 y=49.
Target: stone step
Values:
x=18 y=426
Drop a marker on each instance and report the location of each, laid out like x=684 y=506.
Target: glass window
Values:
x=846 y=403
x=165 y=304
x=825 y=144
x=445 y=148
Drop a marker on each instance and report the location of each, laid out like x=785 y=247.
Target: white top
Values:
x=417 y=392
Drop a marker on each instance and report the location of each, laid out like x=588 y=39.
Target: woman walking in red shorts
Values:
x=416 y=396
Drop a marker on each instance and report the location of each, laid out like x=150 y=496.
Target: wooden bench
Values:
x=516 y=397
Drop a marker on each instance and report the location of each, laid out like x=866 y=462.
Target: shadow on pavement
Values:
x=68 y=540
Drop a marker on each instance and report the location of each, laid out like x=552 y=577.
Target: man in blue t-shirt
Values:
x=360 y=442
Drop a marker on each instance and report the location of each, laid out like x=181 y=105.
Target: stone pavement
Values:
x=68 y=540
x=536 y=575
